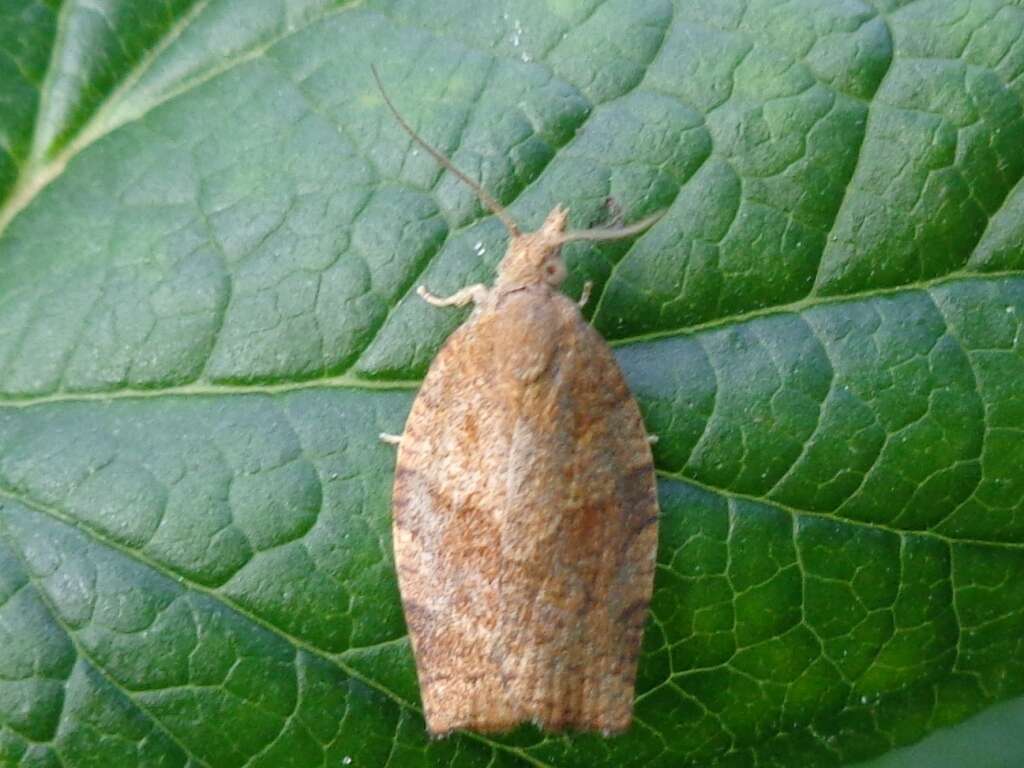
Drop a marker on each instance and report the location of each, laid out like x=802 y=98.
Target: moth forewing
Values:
x=525 y=505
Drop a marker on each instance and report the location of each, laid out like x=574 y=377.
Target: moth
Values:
x=525 y=508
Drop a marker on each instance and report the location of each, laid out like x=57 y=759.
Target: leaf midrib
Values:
x=348 y=381
x=796 y=512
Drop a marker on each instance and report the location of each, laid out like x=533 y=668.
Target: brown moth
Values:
x=525 y=509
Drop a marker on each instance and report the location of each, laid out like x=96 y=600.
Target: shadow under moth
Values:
x=525 y=504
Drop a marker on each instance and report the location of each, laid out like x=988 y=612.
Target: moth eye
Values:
x=550 y=269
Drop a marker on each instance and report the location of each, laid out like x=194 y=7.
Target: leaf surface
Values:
x=210 y=235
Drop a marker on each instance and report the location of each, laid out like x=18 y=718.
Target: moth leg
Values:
x=390 y=439
x=585 y=296
x=471 y=293
x=652 y=439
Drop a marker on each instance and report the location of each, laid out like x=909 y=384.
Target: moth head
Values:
x=536 y=257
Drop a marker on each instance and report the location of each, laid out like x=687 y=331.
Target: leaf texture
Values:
x=210 y=235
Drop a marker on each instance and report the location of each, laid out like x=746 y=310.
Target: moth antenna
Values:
x=611 y=233
x=496 y=208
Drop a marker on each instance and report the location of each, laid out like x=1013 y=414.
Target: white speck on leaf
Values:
x=517 y=33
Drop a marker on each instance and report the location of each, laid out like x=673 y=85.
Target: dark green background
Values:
x=210 y=235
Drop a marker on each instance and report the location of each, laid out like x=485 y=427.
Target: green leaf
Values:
x=210 y=234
